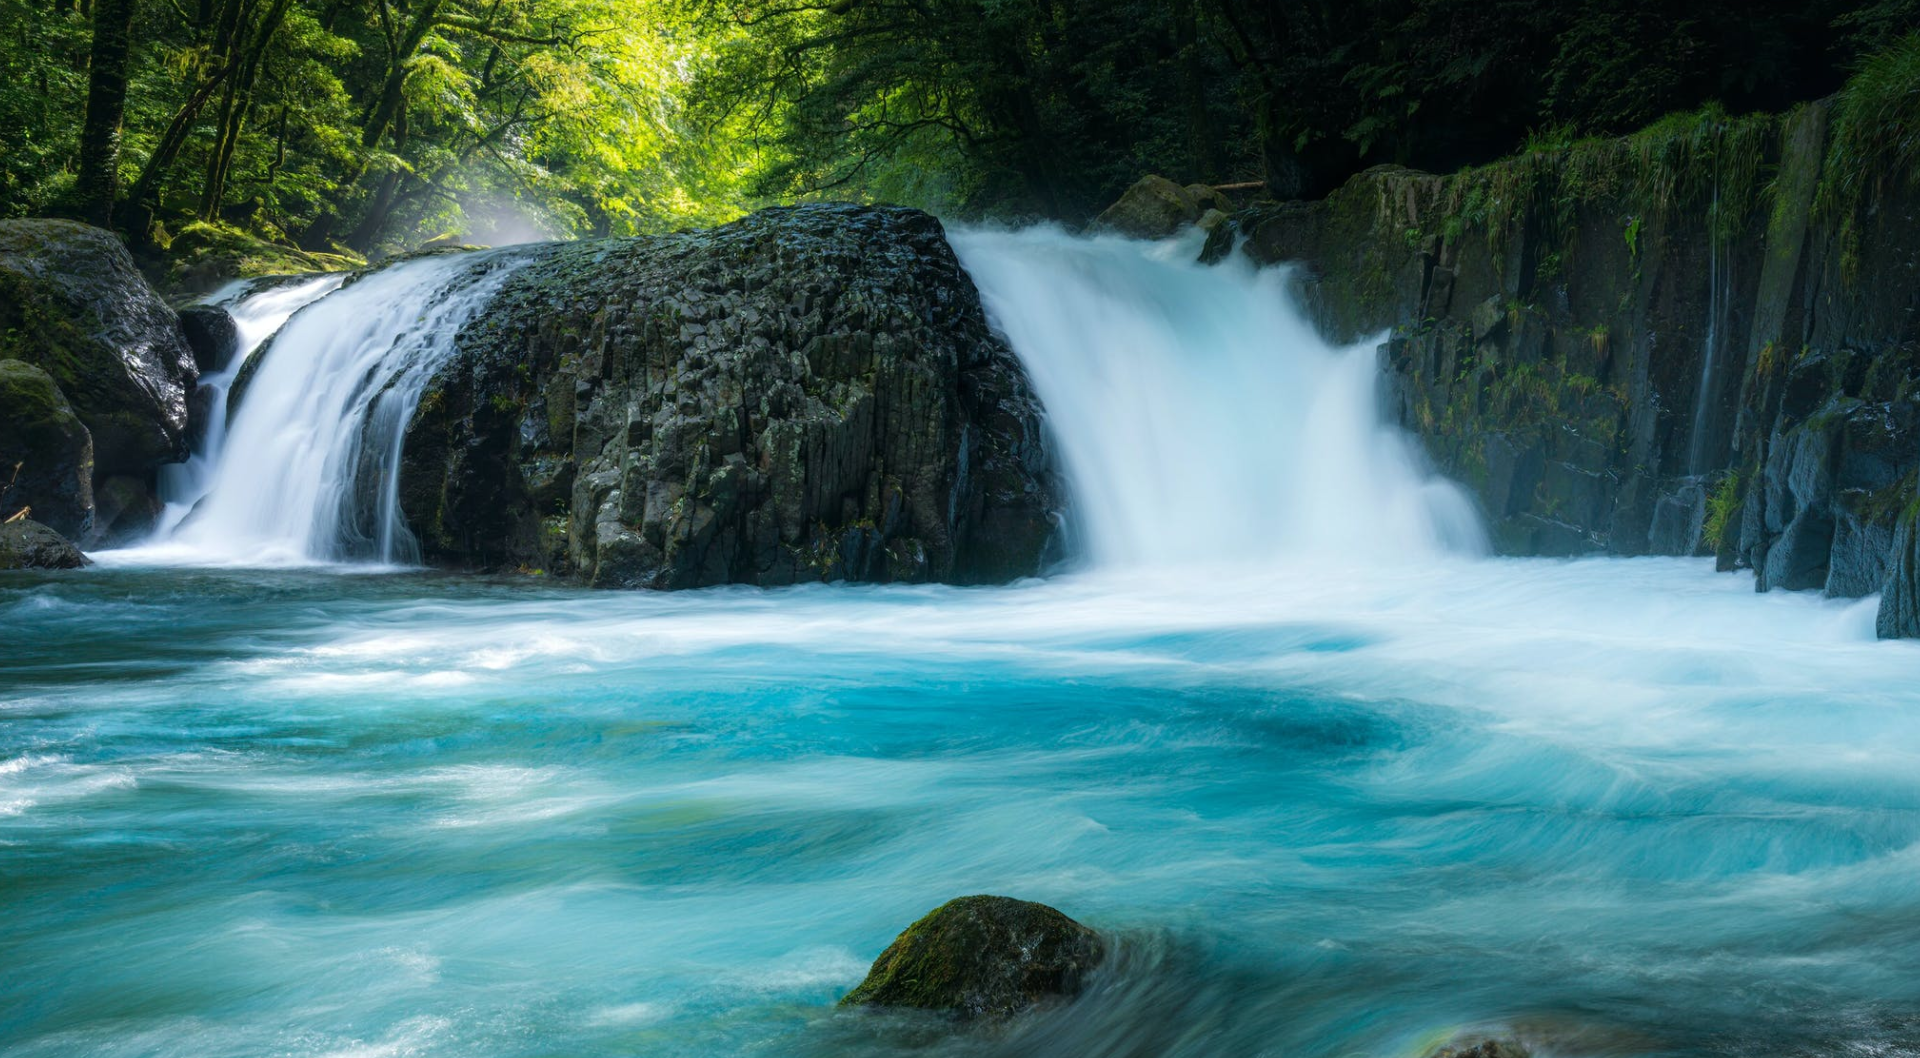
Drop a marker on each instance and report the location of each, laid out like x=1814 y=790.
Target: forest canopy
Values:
x=368 y=126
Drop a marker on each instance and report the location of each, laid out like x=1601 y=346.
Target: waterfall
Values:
x=309 y=467
x=1199 y=416
x=256 y=316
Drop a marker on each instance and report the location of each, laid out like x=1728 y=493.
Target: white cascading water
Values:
x=1199 y=416
x=329 y=404
x=256 y=316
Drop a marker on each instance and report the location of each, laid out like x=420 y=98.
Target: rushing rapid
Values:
x=1338 y=785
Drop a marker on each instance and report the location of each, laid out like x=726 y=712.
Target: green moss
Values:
x=1885 y=505
x=232 y=252
x=32 y=400
x=981 y=955
x=1723 y=512
x=1875 y=141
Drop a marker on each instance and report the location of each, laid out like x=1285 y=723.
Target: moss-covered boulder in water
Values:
x=73 y=304
x=982 y=956
x=807 y=394
x=26 y=544
x=46 y=454
x=1484 y=1048
x=1156 y=208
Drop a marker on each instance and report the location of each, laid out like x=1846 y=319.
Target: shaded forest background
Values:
x=360 y=127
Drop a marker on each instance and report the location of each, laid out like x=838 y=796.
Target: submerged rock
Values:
x=46 y=453
x=982 y=956
x=1487 y=1048
x=807 y=394
x=26 y=544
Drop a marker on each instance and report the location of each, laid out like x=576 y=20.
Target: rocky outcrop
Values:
x=212 y=334
x=203 y=257
x=810 y=393
x=1701 y=339
x=73 y=305
x=26 y=544
x=46 y=454
x=1156 y=208
x=1899 y=616
x=982 y=956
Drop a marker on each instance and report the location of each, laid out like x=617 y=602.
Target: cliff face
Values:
x=806 y=394
x=1701 y=339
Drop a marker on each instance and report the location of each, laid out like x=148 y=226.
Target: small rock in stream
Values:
x=982 y=957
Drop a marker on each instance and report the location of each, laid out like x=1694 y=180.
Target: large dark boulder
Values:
x=73 y=304
x=982 y=956
x=26 y=544
x=212 y=334
x=810 y=393
x=46 y=454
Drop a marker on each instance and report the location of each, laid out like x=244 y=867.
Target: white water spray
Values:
x=309 y=469
x=1199 y=416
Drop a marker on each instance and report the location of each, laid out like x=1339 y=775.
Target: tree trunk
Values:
x=224 y=60
x=234 y=108
x=385 y=111
x=99 y=177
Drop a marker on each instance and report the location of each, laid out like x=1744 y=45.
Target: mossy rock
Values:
x=73 y=304
x=1156 y=208
x=26 y=544
x=1488 y=1048
x=46 y=453
x=205 y=256
x=982 y=956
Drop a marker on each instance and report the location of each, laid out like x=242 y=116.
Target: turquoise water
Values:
x=1621 y=807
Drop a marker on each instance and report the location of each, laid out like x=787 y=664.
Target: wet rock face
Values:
x=26 y=544
x=73 y=304
x=807 y=394
x=1899 y=616
x=212 y=335
x=46 y=454
x=982 y=956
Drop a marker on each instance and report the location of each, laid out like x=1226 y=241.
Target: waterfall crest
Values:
x=309 y=465
x=1200 y=417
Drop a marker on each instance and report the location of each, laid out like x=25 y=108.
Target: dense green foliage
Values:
x=1050 y=106
x=369 y=125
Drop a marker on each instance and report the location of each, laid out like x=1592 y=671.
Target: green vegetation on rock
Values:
x=982 y=956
